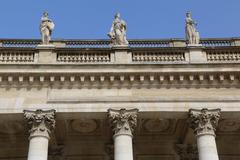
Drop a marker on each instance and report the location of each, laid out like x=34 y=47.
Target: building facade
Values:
x=150 y=100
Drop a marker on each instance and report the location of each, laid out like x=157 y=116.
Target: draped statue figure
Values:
x=118 y=31
x=46 y=28
x=192 y=35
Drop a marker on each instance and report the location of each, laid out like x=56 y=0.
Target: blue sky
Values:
x=91 y=19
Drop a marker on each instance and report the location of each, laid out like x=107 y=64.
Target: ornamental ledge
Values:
x=210 y=79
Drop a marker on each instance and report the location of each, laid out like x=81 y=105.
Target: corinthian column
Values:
x=204 y=123
x=123 y=123
x=40 y=123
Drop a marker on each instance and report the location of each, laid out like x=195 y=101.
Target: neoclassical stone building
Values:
x=152 y=100
x=120 y=99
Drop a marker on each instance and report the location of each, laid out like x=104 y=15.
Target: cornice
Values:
x=143 y=79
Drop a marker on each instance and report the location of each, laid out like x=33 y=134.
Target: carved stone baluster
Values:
x=123 y=123
x=40 y=123
x=204 y=123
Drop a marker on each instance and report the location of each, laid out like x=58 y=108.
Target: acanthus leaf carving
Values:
x=204 y=121
x=123 y=121
x=40 y=122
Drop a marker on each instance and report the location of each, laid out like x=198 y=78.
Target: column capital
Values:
x=123 y=121
x=204 y=121
x=40 y=122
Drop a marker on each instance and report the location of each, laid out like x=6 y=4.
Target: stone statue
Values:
x=192 y=35
x=46 y=28
x=118 y=31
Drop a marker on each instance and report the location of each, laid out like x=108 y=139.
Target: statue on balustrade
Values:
x=118 y=32
x=192 y=35
x=46 y=28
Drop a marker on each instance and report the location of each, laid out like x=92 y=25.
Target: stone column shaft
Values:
x=123 y=147
x=41 y=123
x=207 y=147
x=204 y=123
x=123 y=123
x=38 y=148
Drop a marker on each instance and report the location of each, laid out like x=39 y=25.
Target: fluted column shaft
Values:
x=40 y=123
x=204 y=123
x=123 y=122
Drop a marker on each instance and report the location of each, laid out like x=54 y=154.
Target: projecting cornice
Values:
x=165 y=78
x=144 y=63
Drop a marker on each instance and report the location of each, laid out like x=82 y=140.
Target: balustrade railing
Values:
x=156 y=56
x=12 y=56
x=83 y=57
x=223 y=55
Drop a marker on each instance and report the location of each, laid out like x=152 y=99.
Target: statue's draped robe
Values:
x=118 y=32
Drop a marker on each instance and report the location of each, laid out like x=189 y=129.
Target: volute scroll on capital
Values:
x=204 y=121
x=40 y=122
x=123 y=121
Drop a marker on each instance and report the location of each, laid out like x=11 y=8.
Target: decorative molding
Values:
x=96 y=80
x=204 y=121
x=40 y=122
x=123 y=121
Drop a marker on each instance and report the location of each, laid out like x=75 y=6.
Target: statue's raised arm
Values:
x=46 y=28
x=117 y=32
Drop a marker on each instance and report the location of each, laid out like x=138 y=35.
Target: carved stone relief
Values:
x=157 y=126
x=85 y=126
x=229 y=125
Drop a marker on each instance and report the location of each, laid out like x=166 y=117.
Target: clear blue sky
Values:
x=91 y=19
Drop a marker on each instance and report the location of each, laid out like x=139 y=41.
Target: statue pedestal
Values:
x=46 y=54
x=122 y=54
x=196 y=53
